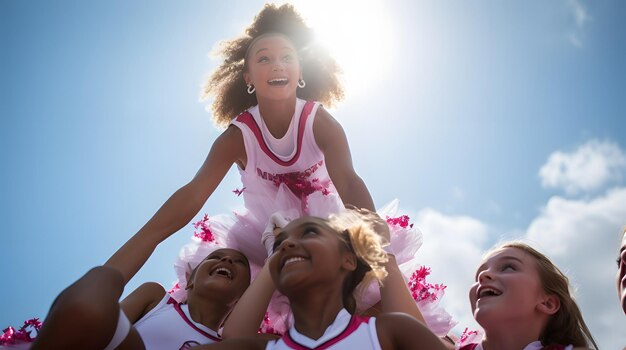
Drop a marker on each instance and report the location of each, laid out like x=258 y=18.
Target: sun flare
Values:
x=359 y=36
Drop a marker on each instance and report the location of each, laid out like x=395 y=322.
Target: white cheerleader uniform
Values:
x=169 y=327
x=346 y=332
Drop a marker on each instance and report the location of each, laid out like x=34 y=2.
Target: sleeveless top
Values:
x=292 y=179
x=346 y=332
x=536 y=345
x=169 y=326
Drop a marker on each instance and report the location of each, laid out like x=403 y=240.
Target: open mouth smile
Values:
x=485 y=292
x=292 y=260
x=278 y=82
x=224 y=272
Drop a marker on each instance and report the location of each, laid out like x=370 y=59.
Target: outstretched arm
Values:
x=248 y=313
x=331 y=139
x=182 y=206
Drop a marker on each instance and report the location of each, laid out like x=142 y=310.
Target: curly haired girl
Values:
x=293 y=156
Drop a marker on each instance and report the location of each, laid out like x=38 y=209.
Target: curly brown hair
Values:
x=319 y=69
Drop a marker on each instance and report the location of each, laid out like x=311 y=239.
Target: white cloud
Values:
x=590 y=167
x=453 y=247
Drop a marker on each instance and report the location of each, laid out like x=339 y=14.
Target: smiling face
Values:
x=223 y=271
x=309 y=252
x=272 y=66
x=621 y=272
x=507 y=288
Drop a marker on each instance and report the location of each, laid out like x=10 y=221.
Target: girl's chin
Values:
x=279 y=95
x=485 y=316
x=288 y=283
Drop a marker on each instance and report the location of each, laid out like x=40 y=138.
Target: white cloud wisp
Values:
x=589 y=168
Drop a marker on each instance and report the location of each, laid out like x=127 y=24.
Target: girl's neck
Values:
x=277 y=115
x=210 y=313
x=512 y=337
x=313 y=312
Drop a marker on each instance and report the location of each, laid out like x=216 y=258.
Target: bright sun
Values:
x=359 y=36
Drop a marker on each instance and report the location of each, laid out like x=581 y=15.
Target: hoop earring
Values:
x=250 y=89
x=301 y=83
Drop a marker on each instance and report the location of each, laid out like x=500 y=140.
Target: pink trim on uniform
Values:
x=547 y=347
x=186 y=319
x=247 y=119
x=355 y=322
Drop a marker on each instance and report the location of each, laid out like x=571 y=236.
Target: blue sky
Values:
x=454 y=108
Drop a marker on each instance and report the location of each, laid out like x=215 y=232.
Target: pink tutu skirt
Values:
x=243 y=229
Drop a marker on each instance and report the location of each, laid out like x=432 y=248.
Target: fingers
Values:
x=279 y=220
x=276 y=222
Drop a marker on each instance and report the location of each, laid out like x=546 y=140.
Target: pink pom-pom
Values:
x=266 y=326
x=7 y=336
x=11 y=336
x=203 y=230
x=422 y=290
x=402 y=221
x=174 y=289
x=469 y=337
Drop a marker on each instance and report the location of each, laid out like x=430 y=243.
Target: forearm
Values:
x=395 y=295
x=353 y=191
x=175 y=213
x=249 y=311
